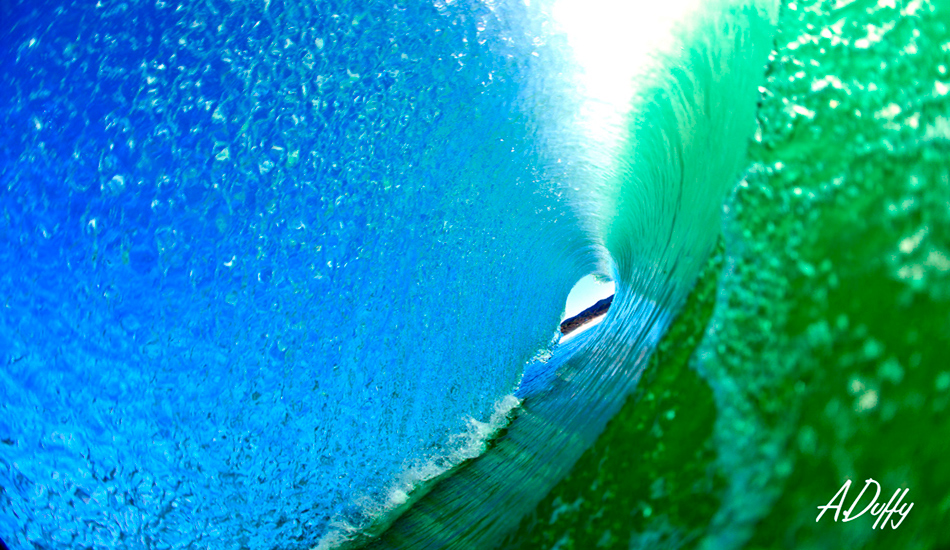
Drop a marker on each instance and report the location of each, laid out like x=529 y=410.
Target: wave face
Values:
x=677 y=153
x=270 y=266
x=813 y=351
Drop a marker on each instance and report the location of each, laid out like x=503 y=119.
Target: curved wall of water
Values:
x=270 y=266
x=659 y=209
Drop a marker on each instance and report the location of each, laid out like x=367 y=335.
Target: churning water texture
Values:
x=275 y=274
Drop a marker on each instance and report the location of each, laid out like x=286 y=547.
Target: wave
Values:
x=682 y=153
x=268 y=261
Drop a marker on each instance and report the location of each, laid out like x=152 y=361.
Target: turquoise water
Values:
x=274 y=265
x=812 y=351
x=252 y=249
x=289 y=275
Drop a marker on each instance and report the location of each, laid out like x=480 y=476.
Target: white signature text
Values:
x=882 y=511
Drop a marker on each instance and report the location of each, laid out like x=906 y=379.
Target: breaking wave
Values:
x=286 y=274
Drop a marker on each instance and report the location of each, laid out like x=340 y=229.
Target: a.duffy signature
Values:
x=882 y=511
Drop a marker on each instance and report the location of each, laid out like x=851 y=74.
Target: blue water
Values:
x=267 y=266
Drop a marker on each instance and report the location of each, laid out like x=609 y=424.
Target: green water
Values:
x=816 y=346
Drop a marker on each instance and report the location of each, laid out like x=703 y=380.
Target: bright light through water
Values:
x=612 y=41
x=588 y=291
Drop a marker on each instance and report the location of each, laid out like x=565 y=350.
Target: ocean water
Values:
x=288 y=275
x=265 y=261
x=813 y=349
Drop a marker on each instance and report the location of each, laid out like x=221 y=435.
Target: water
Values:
x=272 y=265
x=253 y=251
x=285 y=275
x=813 y=348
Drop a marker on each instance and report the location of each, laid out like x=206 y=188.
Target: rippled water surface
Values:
x=288 y=275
